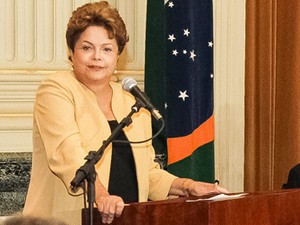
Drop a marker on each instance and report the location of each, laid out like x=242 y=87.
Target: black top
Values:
x=122 y=180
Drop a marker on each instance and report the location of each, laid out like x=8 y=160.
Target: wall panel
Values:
x=229 y=50
x=33 y=34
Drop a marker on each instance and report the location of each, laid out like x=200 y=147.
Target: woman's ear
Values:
x=70 y=54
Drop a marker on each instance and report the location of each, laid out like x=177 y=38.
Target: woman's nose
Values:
x=97 y=55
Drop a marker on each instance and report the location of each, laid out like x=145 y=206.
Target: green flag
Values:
x=179 y=82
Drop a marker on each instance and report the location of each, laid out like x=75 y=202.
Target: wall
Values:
x=272 y=106
x=229 y=47
x=33 y=45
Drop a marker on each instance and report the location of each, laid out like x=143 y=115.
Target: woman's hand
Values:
x=188 y=187
x=110 y=206
x=197 y=188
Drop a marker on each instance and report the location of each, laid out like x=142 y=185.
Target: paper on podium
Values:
x=218 y=197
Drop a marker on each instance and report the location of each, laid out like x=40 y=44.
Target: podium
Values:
x=259 y=208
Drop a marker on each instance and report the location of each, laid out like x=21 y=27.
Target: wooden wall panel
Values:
x=272 y=93
x=287 y=120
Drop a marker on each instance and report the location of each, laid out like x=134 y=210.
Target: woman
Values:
x=76 y=111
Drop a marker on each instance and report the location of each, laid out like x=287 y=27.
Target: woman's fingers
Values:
x=119 y=208
x=109 y=207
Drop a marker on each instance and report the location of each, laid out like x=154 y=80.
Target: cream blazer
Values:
x=67 y=124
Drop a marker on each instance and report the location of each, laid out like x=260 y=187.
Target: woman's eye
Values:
x=107 y=49
x=86 y=48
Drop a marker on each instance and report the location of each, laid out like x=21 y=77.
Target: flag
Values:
x=179 y=82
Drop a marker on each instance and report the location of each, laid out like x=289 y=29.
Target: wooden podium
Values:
x=261 y=208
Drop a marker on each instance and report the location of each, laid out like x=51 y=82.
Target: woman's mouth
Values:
x=93 y=67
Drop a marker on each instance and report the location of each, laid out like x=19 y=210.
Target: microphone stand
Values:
x=87 y=171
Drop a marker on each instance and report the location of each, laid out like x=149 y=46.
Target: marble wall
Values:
x=14 y=179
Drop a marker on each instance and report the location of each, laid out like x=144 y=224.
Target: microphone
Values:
x=129 y=84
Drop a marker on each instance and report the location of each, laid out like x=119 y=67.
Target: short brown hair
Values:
x=96 y=14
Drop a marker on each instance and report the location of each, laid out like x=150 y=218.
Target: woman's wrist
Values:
x=101 y=191
x=186 y=184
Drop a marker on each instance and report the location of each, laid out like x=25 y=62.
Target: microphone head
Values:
x=128 y=83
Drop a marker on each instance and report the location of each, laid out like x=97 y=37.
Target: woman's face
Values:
x=95 y=56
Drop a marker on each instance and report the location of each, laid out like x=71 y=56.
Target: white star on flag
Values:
x=193 y=55
x=186 y=32
x=171 y=4
x=183 y=95
x=175 y=52
x=210 y=44
x=171 y=37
